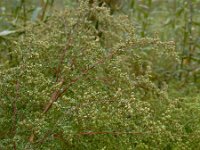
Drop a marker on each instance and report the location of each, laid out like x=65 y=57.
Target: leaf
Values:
x=6 y=32
x=143 y=6
x=179 y=11
x=196 y=23
x=36 y=13
x=168 y=21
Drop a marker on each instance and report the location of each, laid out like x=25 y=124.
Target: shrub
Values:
x=76 y=86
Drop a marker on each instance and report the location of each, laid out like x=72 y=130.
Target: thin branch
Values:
x=24 y=12
x=15 y=114
x=190 y=29
x=44 y=9
x=56 y=135
x=56 y=95
x=111 y=133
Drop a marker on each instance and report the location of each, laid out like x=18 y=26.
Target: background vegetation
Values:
x=107 y=74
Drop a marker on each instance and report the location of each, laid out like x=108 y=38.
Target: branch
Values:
x=44 y=9
x=15 y=114
x=112 y=133
x=59 y=93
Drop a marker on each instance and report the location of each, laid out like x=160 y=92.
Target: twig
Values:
x=58 y=94
x=57 y=135
x=15 y=113
x=111 y=133
x=24 y=12
x=55 y=95
x=44 y=8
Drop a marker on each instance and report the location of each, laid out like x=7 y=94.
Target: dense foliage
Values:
x=83 y=78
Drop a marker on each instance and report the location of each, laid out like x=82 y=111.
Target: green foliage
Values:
x=83 y=78
x=72 y=84
x=176 y=20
